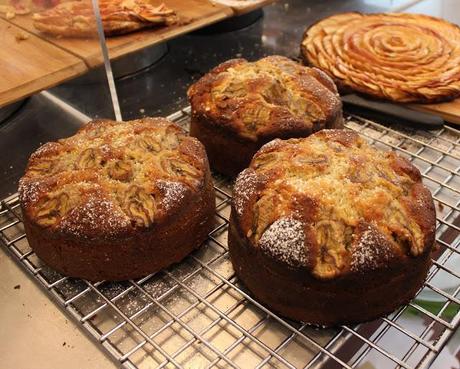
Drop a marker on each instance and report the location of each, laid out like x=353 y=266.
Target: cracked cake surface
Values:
x=333 y=205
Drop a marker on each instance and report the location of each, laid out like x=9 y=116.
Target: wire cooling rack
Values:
x=197 y=315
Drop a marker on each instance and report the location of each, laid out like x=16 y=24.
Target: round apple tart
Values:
x=395 y=56
x=118 y=200
x=328 y=230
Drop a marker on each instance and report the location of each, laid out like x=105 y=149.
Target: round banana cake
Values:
x=339 y=231
x=239 y=106
x=118 y=200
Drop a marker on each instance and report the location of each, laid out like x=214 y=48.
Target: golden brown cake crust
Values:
x=334 y=218
x=118 y=199
x=239 y=105
x=395 y=56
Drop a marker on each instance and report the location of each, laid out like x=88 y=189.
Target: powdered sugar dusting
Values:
x=273 y=144
x=173 y=193
x=105 y=149
x=285 y=241
x=245 y=186
x=371 y=250
x=29 y=191
x=95 y=218
x=44 y=148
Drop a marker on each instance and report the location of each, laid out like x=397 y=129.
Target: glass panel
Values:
x=52 y=81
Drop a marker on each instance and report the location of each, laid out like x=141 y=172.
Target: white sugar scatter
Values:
x=133 y=304
x=95 y=217
x=173 y=193
x=105 y=149
x=29 y=191
x=371 y=250
x=43 y=148
x=285 y=241
x=113 y=289
x=271 y=145
x=71 y=287
x=245 y=186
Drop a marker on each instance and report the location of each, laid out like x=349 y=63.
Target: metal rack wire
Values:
x=197 y=315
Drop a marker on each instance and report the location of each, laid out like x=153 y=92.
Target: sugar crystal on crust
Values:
x=245 y=186
x=29 y=191
x=271 y=144
x=371 y=250
x=284 y=239
x=173 y=193
x=95 y=217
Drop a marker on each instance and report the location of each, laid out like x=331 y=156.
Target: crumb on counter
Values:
x=21 y=36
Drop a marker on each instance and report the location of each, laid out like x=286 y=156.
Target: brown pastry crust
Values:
x=118 y=200
x=394 y=56
x=238 y=106
x=76 y=18
x=340 y=232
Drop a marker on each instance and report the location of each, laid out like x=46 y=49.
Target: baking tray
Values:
x=196 y=314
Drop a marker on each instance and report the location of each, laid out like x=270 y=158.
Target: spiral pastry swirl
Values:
x=394 y=56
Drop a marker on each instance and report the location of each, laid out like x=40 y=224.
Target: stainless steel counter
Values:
x=33 y=331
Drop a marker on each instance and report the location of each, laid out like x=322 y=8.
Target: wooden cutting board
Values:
x=243 y=6
x=29 y=64
x=450 y=111
x=194 y=13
